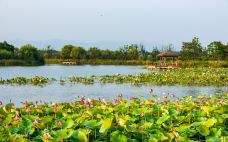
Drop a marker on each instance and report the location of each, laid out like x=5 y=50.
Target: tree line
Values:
x=191 y=50
x=27 y=53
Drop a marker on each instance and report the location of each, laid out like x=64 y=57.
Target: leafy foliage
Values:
x=180 y=119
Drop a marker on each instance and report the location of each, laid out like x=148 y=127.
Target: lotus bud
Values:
x=142 y=114
x=55 y=110
x=60 y=123
x=28 y=110
x=151 y=90
x=36 y=123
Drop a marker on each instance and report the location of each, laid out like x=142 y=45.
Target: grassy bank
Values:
x=100 y=62
x=179 y=119
x=185 y=64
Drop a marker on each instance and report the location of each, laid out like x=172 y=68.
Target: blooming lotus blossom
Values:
x=132 y=98
x=88 y=104
x=83 y=99
x=117 y=101
x=16 y=118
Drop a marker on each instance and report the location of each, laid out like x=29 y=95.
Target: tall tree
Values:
x=191 y=50
x=29 y=52
x=94 y=53
x=66 y=51
x=217 y=50
x=6 y=46
x=78 y=52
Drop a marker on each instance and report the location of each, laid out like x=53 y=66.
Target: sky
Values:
x=110 y=23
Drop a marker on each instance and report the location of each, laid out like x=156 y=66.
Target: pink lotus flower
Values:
x=55 y=110
x=28 y=110
x=83 y=99
x=88 y=104
x=1 y=103
x=132 y=98
x=16 y=118
x=117 y=101
x=60 y=123
x=36 y=123
x=222 y=100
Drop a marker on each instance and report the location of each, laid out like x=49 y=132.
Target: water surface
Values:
x=63 y=71
x=55 y=92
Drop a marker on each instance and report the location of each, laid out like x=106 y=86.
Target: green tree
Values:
x=154 y=53
x=5 y=54
x=94 y=53
x=29 y=52
x=217 y=50
x=5 y=46
x=78 y=53
x=133 y=53
x=66 y=51
x=107 y=54
x=191 y=50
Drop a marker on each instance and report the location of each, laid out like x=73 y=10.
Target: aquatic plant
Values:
x=37 y=80
x=181 y=119
x=84 y=80
x=188 y=76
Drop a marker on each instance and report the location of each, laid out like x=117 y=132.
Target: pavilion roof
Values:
x=169 y=54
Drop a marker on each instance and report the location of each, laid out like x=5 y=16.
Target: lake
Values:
x=56 y=92
x=63 y=71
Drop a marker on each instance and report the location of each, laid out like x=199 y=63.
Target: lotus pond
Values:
x=189 y=76
x=204 y=118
